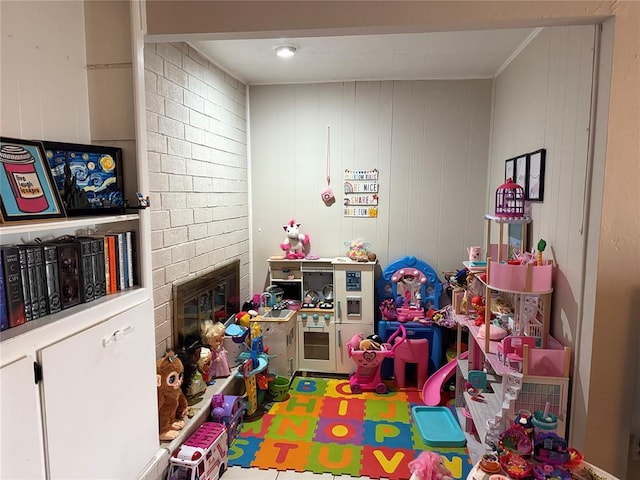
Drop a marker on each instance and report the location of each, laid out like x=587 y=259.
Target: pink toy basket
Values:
x=367 y=376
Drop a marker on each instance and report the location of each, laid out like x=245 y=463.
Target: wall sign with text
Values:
x=361 y=193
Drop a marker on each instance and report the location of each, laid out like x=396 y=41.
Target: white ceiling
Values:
x=406 y=56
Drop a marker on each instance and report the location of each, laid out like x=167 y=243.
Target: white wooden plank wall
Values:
x=428 y=139
x=542 y=100
x=43 y=79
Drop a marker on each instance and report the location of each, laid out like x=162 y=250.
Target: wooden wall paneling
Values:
x=36 y=63
x=400 y=152
x=561 y=82
x=304 y=140
x=328 y=218
x=419 y=198
x=455 y=162
x=381 y=242
x=366 y=154
x=345 y=230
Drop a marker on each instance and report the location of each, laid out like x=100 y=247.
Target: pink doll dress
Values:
x=219 y=364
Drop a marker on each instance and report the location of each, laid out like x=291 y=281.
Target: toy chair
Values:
x=518 y=344
x=504 y=347
x=411 y=351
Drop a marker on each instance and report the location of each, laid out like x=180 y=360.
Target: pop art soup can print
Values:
x=19 y=164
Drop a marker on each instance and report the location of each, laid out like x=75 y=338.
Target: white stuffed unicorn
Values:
x=295 y=242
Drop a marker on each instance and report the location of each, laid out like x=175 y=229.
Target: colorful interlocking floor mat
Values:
x=323 y=428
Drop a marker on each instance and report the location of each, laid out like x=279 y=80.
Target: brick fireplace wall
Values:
x=197 y=153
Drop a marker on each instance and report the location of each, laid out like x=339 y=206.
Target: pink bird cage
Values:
x=510 y=200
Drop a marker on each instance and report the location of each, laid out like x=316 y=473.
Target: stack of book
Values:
x=43 y=278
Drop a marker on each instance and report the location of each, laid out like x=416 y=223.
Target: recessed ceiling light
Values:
x=285 y=51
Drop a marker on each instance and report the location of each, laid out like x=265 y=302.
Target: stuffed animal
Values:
x=429 y=466
x=295 y=243
x=368 y=344
x=172 y=403
x=358 y=250
x=355 y=341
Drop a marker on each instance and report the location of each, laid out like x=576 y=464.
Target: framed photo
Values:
x=522 y=173
x=510 y=169
x=535 y=181
x=27 y=189
x=88 y=177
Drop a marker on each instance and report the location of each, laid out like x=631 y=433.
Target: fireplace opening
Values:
x=211 y=296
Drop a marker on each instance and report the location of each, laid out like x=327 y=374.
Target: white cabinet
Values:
x=344 y=333
x=99 y=391
x=21 y=450
x=354 y=291
x=354 y=305
x=316 y=341
x=280 y=337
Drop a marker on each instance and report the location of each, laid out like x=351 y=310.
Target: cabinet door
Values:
x=344 y=333
x=100 y=399
x=21 y=450
x=354 y=292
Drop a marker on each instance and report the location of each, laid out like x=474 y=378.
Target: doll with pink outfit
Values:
x=213 y=335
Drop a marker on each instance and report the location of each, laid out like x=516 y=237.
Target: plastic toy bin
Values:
x=520 y=278
x=432 y=333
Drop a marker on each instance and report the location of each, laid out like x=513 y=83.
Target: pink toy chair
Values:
x=503 y=348
x=411 y=351
x=518 y=344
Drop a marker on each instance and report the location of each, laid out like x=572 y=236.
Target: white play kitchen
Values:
x=330 y=300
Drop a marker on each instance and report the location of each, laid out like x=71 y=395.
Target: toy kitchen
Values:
x=330 y=300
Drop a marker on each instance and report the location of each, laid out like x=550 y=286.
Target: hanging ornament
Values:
x=327 y=195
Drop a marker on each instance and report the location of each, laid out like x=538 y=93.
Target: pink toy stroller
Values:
x=367 y=375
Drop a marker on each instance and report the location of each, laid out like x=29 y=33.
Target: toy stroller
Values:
x=369 y=362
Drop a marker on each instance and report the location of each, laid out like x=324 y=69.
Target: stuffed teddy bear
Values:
x=295 y=243
x=172 y=404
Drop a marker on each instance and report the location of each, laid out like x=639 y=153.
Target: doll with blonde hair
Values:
x=213 y=335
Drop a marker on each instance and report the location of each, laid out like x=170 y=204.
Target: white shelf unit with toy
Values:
x=544 y=372
x=103 y=351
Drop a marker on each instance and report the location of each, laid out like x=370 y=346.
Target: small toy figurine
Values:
x=213 y=334
x=204 y=365
x=172 y=404
x=295 y=242
x=429 y=466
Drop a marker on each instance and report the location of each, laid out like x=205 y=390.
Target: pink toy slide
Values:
x=432 y=389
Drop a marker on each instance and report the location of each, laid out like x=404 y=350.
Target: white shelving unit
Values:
x=94 y=357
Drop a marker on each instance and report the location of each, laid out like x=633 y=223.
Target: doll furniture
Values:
x=518 y=344
x=524 y=380
x=504 y=347
x=414 y=351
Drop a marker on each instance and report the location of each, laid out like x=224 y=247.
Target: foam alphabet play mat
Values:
x=324 y=428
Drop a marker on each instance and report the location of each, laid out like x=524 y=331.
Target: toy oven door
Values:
x=316 y=342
